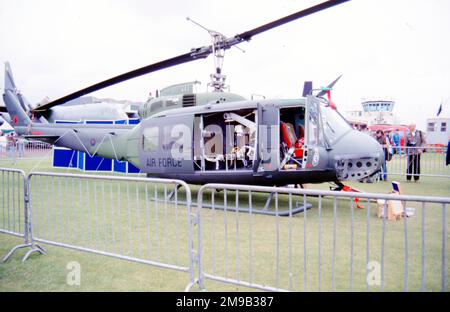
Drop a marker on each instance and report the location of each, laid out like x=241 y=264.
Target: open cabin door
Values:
x=268 y=139
x=314 y=138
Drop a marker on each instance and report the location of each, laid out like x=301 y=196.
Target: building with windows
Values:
x=374 y=112
x=438 y=130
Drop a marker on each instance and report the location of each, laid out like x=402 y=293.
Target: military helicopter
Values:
x=219 y=136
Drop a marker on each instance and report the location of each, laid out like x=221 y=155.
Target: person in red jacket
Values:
x=402 y=144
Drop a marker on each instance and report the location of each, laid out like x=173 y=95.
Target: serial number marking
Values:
x=246 y=301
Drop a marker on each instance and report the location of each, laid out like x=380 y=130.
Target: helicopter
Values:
x=218 y=136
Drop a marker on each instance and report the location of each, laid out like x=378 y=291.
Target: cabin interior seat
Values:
x=291 y=140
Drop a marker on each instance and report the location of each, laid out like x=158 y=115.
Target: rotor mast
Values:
x=217 y=79
x=218 y=47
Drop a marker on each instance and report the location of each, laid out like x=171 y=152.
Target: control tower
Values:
x=374 y=112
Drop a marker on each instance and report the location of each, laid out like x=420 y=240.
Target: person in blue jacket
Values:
x=396 y=141
x=447 y=160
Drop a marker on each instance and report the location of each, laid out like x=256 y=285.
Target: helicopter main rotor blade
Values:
x=193 y=55
x=287 y=19
x=184 y=58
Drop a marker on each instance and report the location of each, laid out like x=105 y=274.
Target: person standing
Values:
x=415 y=145
x=447 y=159
x=384 y=142
x=11 y=146
x=402 y=144
x=3 y=144
x=21 y=146
x=396 y=143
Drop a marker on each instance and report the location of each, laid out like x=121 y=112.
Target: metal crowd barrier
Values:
x=12 y=202
x=15 y=215
x=432 y=161
x=333 y=246
x=135 y=219
x=24 y=150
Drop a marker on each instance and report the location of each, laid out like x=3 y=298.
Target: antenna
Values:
x=218 y=40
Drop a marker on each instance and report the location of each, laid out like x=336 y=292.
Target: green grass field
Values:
x=115 y=217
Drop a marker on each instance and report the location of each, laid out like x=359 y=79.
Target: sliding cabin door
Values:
x=268 y=136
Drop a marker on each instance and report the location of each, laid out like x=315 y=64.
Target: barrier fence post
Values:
x=27 y=222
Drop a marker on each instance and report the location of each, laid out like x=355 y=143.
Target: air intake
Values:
x=188 y=100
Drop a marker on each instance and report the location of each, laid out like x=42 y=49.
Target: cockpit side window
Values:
x=315 y=133
x=156 y=106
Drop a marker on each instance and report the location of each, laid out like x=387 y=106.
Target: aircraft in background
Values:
x=91 y=108
x=79 y=109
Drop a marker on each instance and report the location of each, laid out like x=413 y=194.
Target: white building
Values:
x=438 y=130
x=374 y=112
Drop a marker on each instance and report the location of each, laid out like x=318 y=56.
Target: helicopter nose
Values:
x=356 y=156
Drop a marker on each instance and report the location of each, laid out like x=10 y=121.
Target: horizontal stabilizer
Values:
x=329 y=87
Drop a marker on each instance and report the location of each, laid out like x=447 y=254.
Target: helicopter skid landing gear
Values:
x=283 y=212
x=172 y=193
x=299 y=207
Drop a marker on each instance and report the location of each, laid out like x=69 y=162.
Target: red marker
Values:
x=332 y=105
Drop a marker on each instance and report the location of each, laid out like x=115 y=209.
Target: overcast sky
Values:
x=388 y=49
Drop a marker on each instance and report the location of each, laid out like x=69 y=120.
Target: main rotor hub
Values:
x=218 y=79
x=219 y=43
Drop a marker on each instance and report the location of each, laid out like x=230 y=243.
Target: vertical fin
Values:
x=19 y=116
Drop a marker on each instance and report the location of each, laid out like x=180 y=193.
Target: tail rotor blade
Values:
x=330 y=86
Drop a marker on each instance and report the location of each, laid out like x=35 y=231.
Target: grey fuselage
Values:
x=176 y=143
